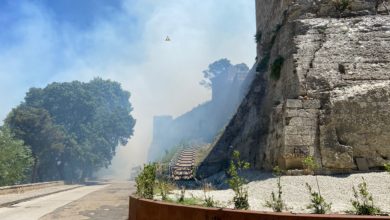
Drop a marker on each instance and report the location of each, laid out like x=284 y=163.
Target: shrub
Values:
x=15 y=159
x=276 y=203
x=164 y=188
x=342 y=5
x=263 y=65
x=258 y=36
x=208 y=200
x=145 y=181
x=363 y=203
x=387 y=167
x=318 y=203
x=309 y=164
x=182 y=194
x=278 y=27
x=277 y=68
x=236 y=182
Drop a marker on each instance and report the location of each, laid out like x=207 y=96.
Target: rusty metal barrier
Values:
x=142 y=209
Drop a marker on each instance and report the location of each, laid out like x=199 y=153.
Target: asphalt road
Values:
x=105 y=201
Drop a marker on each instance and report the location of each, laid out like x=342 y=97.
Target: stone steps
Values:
x=182 y=168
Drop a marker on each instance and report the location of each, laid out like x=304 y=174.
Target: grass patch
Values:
x=191 y=201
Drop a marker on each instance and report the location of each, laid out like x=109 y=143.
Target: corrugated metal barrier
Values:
x=141 y=209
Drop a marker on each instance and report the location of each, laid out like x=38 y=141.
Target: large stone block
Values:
x=293 y=103
x=311 y=104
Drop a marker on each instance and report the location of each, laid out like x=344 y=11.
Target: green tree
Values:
x=15 y=159
x=215 y=71
x=94 y=118
x=36 y=128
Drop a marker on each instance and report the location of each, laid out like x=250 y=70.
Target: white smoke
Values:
x=163 y=77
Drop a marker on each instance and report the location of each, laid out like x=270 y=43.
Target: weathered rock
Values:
x=334 y=89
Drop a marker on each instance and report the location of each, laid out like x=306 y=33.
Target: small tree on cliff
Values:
x=237 y=182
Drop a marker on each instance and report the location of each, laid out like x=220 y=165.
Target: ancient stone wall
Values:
x=331 y=100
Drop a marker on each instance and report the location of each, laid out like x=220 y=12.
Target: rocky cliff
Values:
x=322 y=89
x=227 y=83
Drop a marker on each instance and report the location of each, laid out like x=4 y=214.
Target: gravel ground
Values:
x=335 y=189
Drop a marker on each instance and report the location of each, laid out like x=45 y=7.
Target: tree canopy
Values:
x=215 y=70
x=73 y=128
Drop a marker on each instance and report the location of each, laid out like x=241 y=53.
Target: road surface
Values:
x=105 y=201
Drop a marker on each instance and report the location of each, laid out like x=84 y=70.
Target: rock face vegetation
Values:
x=321 y=90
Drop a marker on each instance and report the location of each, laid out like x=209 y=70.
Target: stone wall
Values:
x=332 y=98
x=300 y=132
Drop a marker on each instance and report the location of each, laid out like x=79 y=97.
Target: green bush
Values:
x=258 y=36
x=145 y=181
x=363 y=203
x=263 y=65
x=387 y=167
x=236 y=182
x=318 y=204
x=309 y=164
x=276 y=203
x=208 y=200
x=277 y=68
x=182 y=195
x=15 y=159
x=163 y=187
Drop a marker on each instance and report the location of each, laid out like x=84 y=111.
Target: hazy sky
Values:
x=43 y=41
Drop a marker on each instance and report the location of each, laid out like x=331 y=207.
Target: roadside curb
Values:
x=7 y=204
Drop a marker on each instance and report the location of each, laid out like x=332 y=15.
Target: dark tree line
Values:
x=72 y=129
